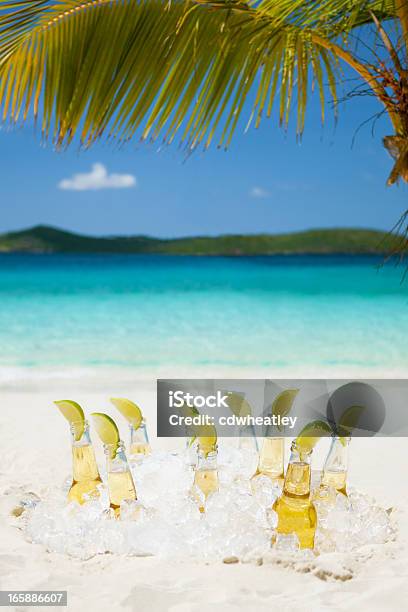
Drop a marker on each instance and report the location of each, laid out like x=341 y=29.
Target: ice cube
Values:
x=190 y=454
x=376 y=525
x=342 y=503
x=243 y=500
x=108 y=514
x=103 y=495
x=240 y=484
x=28 y=502
x=131 y=510
x=287 y=542
x=217 y=511
x=66 y=484
x=264 y=490
x=306 y=555
x=198 y=496
x=324 y=494
x=226 y=476
x=323 y=541
x=271 y=518
x=360 y=503
x=239 y=519
x=91 y=511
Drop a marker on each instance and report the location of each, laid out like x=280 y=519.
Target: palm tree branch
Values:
x=110 y=66
x=364 y=73
x=389 y=46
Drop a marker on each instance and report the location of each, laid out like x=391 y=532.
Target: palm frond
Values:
x=162 y=67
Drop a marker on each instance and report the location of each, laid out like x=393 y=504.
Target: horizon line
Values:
x=182 y=237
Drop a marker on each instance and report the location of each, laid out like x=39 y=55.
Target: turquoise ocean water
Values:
x=154 y=311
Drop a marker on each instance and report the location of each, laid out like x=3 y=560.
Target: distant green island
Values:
x=45 y=239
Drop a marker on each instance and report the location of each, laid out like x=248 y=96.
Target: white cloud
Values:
x=98 y=178
x=259 y=192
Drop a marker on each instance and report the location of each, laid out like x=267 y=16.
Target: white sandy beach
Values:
x=36 y=454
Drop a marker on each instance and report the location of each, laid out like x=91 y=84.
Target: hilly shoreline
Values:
x=46 y=239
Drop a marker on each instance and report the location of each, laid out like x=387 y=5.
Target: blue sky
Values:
x=265 y=182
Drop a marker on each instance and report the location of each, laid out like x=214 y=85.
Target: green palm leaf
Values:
x=159 y=68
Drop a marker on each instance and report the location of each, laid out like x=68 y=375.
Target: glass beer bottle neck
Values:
x=335 y=467
x=297 y=480
x=206 y=460
x=271 y=457
x=84 y=466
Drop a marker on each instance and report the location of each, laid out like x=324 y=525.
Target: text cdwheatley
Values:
x=271 y=420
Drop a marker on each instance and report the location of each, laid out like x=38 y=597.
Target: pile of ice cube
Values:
x=166 y=521
x=346 y=524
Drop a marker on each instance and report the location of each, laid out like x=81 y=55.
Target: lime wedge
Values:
x=311 y=434
x=238 y=404
x=74 y=415
x=107 y=430
x=129 y=410
x=191 y=441
x=349 y=420
x=190 y=411
x=283 y=403
x=207 y=438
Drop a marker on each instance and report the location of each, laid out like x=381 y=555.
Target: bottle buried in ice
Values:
x=120 y=481
x=271 y=459
x=85 y=474
x=247 y=440
x=206 y=473
x=335 y=467
x=295 y=510
x=139 y=440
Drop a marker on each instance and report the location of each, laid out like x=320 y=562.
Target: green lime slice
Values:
x=129 y=410
x=74 y=415
x=311 y=434
x=107 y=430
x=238 y=404
x=348 y=421
x=188 y=411
x=283 y=402
x=207 y=438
